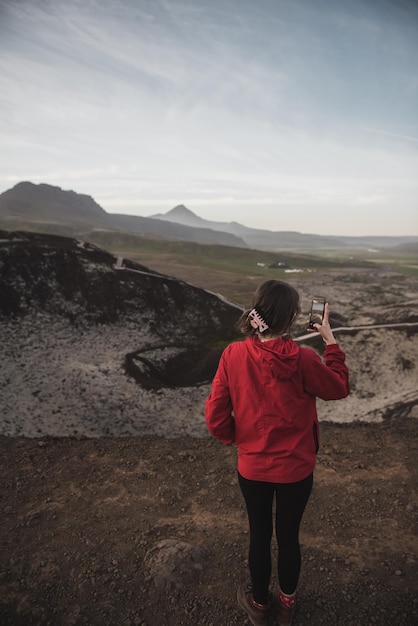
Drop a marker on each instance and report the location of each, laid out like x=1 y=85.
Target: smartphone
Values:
x=317 y=312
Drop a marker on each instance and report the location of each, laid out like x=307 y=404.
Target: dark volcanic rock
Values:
x=79 y=281
x=173 y=366
x=176 y=327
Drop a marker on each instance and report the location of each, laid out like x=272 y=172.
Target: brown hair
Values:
x=277 y=303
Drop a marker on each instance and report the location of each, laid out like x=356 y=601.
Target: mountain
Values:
x=182 y=215
x=47 y=203
x=43 y=207
x=260 y=239
x=50 y=209
x=255 y=238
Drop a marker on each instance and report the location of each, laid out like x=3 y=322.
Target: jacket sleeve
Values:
x=329 y=380
x=218 y=408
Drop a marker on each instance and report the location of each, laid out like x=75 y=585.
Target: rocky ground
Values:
x=119 y=509
x=61 y=380
x=151 y=531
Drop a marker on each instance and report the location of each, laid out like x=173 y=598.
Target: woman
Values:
x=263 y=399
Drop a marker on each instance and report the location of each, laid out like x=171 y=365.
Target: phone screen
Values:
x=317 y=312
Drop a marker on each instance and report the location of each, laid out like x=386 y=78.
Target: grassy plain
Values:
x=235 y=272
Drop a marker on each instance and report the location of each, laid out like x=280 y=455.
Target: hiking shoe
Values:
x=285 y=610
x=257 y=613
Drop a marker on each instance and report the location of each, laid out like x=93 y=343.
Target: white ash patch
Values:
x=60 y=380
x=383 y=372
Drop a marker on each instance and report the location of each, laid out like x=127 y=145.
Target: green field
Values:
x=235 y=272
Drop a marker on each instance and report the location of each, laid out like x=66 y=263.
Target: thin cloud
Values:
x=272 y=105
x=388 y=133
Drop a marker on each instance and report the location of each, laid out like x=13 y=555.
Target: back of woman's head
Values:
x=277 y=303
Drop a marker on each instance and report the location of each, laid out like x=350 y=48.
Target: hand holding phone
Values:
x=319 y=315
x=317 y=312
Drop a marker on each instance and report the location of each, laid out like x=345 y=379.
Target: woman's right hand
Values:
x=324 y=329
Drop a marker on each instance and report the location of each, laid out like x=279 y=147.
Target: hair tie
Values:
x=257 y=321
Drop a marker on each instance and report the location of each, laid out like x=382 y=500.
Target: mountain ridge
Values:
x=70 y=213
x=182 y=215
x=264 y=239
x=47 y=204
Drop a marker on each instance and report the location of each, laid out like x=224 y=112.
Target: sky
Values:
x=279 y=114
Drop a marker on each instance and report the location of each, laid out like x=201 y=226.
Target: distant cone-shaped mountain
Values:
x=182 y=215
x=45 y=208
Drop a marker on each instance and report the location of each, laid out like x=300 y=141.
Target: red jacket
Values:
x=263 y=399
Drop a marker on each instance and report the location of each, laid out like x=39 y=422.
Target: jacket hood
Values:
x=279 y=355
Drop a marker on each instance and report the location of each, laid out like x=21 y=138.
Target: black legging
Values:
x=291 y=500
